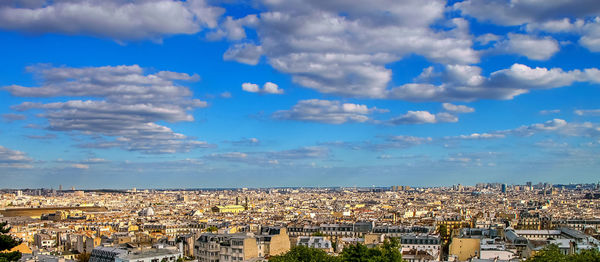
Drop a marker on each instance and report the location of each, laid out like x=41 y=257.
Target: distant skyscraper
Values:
x=59 y=187
x=503 y=188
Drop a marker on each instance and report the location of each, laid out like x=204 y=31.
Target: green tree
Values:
x=6 y=243
x=389 y=251
x=304 y=254
x=551 y=253
x=212 y=229
x=592 y=255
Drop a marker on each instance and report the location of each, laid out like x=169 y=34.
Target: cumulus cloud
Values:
x=268 y=88
x=423 y=117
x=465 y=83
x=343 y=47
x=272 y=157
x=115 y=19
x=550 y=111
x=535 y=48
x=457 y=108
x=487 y=38
x=578 y=16
x=326 y=111
x=244 y=53
x=511 y=13
x=42 y=137
x=13 y=117
x=252 y=141
x=475 y=136
x=591 y=35
x=14 y=159
x=128 y=105
x=80 y=166
x=587 y=112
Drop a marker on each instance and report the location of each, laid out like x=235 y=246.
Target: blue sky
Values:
x=199 y=93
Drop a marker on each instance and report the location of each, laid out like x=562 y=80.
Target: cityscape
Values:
x=299 y=130
x=488 y=222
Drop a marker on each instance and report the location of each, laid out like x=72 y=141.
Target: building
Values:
x=238 y=247
x=228 y=209
x=421 y=248
x=113 y=254
x=315 y=242
x=463 y=249
x=272 y=241
x=150 y=255
x=106 y=254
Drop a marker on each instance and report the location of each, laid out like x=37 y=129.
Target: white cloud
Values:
x=511 y=13
x=556 y=26
x=591 y=35
x=423 y=117
x=465 y=83
x=587 y=112
x=249 y=87
x=271 y=88
x=326 y=111
x=245 y=53
x=457 y=108
x=551 y=111
x=268 y=88
x=487 y=38
x=80 y=166
x=246 y=142
x=343 y=47
x=14 y=159
x=272 y=157
x=115 y=19
x=556 y=126
x=13 y=117
x=129 y=104
x=480 y=136
x=535 y=48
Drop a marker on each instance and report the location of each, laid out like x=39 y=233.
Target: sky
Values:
x=265 y=93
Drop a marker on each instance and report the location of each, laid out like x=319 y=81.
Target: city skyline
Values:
x=230 y=94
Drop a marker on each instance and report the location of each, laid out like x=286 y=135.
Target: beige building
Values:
x=465 y=248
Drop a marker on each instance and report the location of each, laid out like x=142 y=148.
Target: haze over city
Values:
x=198 y=94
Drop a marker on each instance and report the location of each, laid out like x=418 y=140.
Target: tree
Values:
x=304 y=254
x=84 y=257
x=6 y=243
x=388 y=252
x=551 y=253
x=212 y=229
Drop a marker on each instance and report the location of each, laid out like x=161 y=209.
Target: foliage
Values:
x=304 y=254
x=6 y=243
x=551 y=253
x=3 y=228
x=10 y=256
x=388 y=252
x=318 y=234
x=443 y=230
x=212 y=229
x=84 y=257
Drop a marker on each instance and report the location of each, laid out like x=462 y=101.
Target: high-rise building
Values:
x=503 y=188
